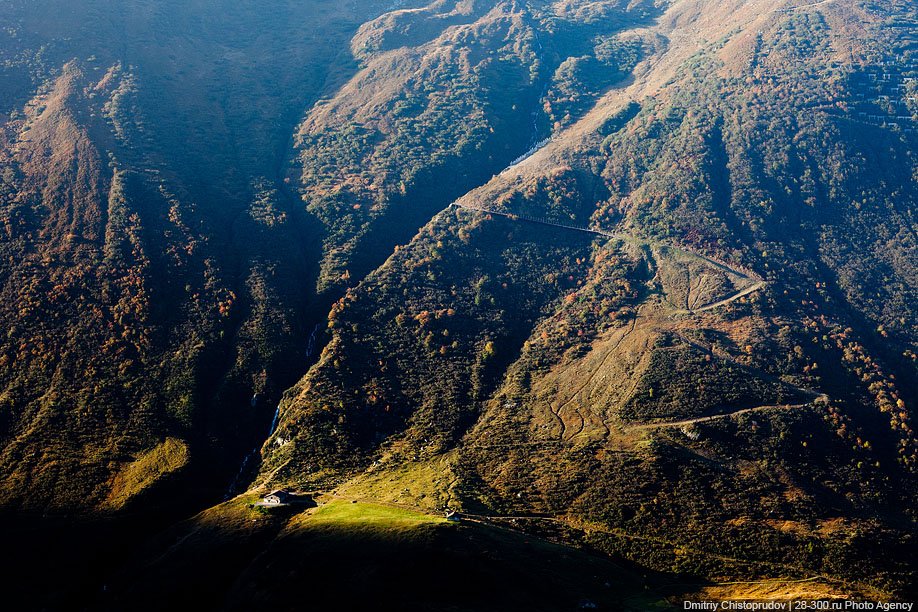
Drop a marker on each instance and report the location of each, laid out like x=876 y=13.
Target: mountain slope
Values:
x=533 y=384
x=152 y=255
x=637 y=277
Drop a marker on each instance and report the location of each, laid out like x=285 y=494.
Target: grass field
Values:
x=349 y=515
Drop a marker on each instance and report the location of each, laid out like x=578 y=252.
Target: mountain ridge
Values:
x=633 y=276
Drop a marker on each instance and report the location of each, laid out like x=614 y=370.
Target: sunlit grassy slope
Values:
x=346 y=555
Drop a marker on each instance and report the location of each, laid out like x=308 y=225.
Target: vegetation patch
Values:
x=150 y=466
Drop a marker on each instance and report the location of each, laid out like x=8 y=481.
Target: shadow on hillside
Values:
x=292 y=564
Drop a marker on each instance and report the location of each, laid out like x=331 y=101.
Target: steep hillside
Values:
x=445 y=96
x=373 y=556
x=684 y=328
x=154 y=263
x=636 y=277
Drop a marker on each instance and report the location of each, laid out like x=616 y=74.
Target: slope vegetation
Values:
x=701 y=247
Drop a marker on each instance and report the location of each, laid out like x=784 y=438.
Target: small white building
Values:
x=276 y=498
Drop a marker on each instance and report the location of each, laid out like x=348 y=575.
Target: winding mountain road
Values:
x=714 y=417
x=756 y=286
x=750 y=289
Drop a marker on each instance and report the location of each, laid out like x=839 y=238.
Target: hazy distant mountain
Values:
x=637 y=277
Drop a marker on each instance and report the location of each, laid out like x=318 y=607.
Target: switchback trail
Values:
x=557 y=412
x=758 y=283
x=750 y=289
